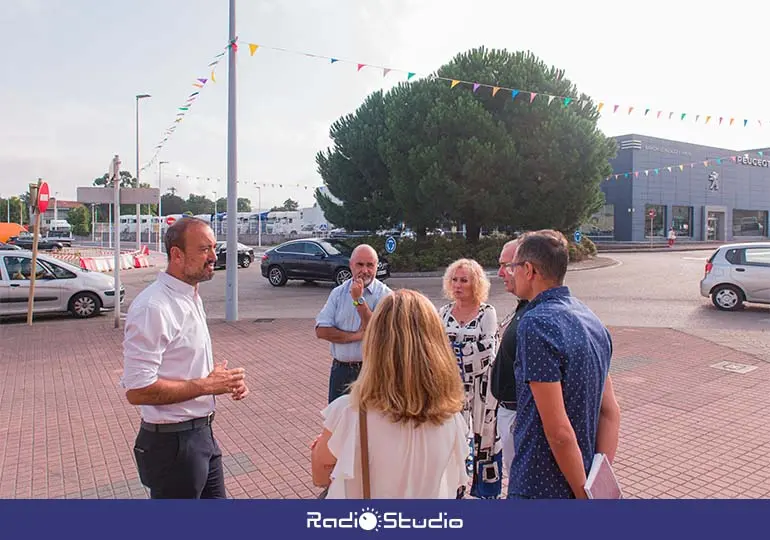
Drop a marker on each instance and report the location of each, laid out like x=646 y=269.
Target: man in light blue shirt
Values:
x=343 y=319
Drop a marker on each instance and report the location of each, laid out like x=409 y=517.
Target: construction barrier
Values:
x=100 y=260
x=141 y=261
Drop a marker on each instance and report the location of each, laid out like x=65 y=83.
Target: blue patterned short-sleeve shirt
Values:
x=558 y=340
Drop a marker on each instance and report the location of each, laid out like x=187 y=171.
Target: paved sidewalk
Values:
x=688 y=429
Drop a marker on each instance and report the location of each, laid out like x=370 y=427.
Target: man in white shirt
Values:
x=169 y=372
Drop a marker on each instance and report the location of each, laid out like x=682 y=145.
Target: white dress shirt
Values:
x=406 y=461
x=166 y=336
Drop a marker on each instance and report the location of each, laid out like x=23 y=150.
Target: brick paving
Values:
x=66 y=431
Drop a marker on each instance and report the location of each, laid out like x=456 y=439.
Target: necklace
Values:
x=464 y=316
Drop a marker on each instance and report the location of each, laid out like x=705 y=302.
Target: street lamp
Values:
x=259 y=213
x=214 y=224
x=138 y=206
x=160 y=200
x=56 y=206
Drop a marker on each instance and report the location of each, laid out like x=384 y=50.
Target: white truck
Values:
x=60 y=231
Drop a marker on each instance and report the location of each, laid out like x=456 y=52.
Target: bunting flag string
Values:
x=280 y=185
x=628 y=110
x=199 y=83
x=743 y=158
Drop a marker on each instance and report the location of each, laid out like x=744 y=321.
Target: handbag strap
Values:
x=364 y=453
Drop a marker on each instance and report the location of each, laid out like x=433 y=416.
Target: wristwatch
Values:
x=359 y=302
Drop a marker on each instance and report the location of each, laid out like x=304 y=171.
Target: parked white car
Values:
x=738 y=273
x=59 y=286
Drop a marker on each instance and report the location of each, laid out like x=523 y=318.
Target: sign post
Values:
x=651 y=213
x=390 y=244
x=38 y=198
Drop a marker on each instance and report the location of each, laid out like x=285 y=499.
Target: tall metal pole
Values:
x=138 y=206
x=115 y=173
x=214 y=221
x=160 y=201
x=259 y=214
x=231 y=268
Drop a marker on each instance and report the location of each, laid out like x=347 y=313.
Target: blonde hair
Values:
x=478 y=279
x=409 y=371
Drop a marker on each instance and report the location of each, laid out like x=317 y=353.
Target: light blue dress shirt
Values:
x=339 y=312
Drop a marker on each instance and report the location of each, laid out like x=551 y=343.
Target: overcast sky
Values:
x=71 y=69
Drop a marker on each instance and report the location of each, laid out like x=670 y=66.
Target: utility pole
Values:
x=231 y=268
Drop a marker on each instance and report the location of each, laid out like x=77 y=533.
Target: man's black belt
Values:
x=352 y=363
x=179 y=426
x=510 y=405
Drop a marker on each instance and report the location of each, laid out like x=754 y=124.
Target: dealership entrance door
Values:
x=715 y=223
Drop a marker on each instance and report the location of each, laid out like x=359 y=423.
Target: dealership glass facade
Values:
x=703 y=193
x=681 y=220
x=749 y=223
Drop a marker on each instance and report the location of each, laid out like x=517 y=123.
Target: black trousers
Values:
x=180 y=465
x=342 y=375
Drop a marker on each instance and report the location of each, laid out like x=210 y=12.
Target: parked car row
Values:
x=313 y=259
x=245 y=255
x=59 y=286
x=25 y=240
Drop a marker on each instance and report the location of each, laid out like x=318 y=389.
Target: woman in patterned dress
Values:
x=471 y=325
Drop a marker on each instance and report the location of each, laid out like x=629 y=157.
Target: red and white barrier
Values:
x=141 y=261
x=99 y=260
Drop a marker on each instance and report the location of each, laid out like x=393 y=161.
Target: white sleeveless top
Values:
x=405 y=462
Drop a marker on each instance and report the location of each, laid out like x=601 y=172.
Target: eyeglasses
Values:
x=512 y=265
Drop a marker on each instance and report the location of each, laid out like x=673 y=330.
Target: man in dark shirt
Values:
x=502 y=381
x=566 y=406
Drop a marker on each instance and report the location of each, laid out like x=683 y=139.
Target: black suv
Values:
x=313 y=259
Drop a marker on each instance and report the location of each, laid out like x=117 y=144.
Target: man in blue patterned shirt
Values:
x=566 y=406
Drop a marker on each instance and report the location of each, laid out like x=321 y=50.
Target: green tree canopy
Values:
x=289 y=205
x=80 y=220
x=428 y=153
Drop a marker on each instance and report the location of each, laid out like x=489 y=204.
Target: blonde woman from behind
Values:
x=413 y=400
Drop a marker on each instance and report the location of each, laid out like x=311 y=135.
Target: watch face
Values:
x=361 y=300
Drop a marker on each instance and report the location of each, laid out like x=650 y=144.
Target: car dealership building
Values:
x=704 y=193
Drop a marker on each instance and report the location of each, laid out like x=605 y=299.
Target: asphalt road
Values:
x=644 y=289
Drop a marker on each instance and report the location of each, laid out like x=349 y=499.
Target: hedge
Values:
x=437 y=252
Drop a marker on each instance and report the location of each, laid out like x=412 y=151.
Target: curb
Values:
x=657 y=249
x=600 y=262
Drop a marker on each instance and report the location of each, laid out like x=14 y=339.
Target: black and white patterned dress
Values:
x=475 y=345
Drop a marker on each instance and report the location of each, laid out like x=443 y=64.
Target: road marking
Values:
x=694 y=258
x=734 y=367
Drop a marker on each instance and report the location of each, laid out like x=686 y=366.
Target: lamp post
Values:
x=56 y=206
x=259 y=214
x=213 y=225
x=160 y=199
x=138 y=206
x=231 y=265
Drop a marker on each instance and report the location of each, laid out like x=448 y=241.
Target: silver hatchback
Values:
x=738 y=273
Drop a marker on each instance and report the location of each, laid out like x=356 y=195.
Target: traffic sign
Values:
x=578 y=237
x=651 y=213
x=42 y=198
x=170 y=220
x=390 y=244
